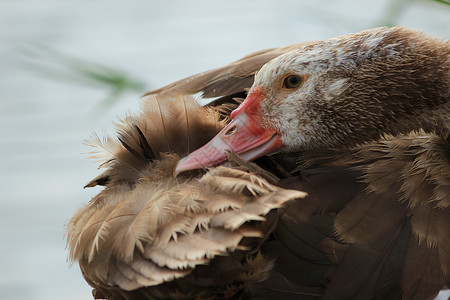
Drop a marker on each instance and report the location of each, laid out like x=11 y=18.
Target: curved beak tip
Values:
x=182 y=165
x=177 y=170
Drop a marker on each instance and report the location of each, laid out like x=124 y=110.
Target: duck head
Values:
x=336 y=93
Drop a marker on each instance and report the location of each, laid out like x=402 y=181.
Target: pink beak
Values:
x=242 y=135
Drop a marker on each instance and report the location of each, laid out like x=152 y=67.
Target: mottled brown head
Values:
x=355 y=88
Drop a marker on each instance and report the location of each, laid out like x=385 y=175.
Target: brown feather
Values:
x=159 y=129
x=146 y=242
x=422 y=275
x=369 y=212
x=359 y=221
x=370 y=270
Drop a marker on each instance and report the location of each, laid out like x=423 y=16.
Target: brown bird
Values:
x=361 y=123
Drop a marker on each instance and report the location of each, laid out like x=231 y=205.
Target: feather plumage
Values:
x=154 y=224
x=150 y=228
x=373 y=225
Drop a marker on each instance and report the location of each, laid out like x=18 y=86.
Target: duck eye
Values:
x=292 y=82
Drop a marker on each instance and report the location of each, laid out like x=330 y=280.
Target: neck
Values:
x=437 y=121
x=412 y=90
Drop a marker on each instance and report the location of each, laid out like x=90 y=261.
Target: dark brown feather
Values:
x=422 y=277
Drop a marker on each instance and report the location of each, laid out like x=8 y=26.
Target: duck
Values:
x=330 y=180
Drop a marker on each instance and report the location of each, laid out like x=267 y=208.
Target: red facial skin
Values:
x=243 y=135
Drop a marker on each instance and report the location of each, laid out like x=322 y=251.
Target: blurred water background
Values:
x=69 y=68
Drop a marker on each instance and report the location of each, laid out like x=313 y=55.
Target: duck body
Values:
x=360 y=123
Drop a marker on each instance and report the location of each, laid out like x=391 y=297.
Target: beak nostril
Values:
x=230 y=131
